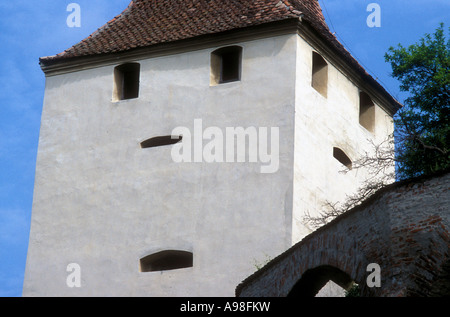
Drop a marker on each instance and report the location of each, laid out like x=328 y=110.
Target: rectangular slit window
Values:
x=319 y=74
x=161 y=141
x=366 y=112
x=226 y=65
x=126 y=81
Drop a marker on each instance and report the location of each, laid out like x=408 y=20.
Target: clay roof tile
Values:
x=149 y=22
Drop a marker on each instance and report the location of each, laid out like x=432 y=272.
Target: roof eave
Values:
x=58 y=64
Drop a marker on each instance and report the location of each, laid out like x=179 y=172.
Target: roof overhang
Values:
x=53 y=67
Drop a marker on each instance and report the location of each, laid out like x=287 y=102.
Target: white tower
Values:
x=111 y=197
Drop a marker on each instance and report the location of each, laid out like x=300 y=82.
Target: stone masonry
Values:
x=403 y=228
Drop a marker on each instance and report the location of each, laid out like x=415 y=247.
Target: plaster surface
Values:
x=103 y=202
x=322 y=123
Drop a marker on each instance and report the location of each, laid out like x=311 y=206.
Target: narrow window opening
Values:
x=161 y=141
x=320 y=74
x=226 y=65
x=366 y=112
x=166 y=260
x=342 y=157
x=126 y=81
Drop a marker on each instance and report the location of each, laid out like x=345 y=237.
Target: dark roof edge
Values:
x=364 y=204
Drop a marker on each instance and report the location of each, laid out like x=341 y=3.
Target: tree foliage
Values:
x=422 y=128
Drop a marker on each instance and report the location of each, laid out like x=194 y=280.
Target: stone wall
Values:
x=403 y=228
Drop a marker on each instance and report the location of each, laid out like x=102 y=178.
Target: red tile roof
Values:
x=149 y=22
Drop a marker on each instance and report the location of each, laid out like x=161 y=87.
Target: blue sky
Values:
x=32 y=29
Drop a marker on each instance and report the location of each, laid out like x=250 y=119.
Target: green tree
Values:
x=422 y=129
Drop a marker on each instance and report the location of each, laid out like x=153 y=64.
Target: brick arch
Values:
x=314 y=279
x=404 y=228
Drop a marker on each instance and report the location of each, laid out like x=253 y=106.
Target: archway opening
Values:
x=314 y=280
x=441 y=285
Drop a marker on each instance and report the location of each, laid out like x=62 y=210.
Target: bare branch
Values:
x=379 y=167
